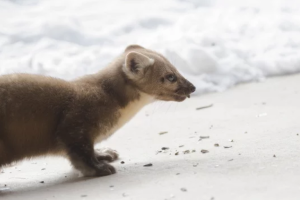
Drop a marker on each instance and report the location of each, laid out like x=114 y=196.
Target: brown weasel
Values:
x=41 y=115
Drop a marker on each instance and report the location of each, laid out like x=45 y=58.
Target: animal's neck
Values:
x=129 y=99
x=133 y=108
x=125 y=115
x=114 y=83
x=123 y=97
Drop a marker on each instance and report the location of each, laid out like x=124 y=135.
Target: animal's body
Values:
x=42 y=115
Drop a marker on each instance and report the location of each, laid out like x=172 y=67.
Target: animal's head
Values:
x=153 y=74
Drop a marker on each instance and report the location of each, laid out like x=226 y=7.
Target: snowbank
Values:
x=217 y=43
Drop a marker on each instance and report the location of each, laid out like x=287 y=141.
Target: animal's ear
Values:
x=136 y=63
x=132 y=47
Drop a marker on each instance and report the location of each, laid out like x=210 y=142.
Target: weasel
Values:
x=41 y=115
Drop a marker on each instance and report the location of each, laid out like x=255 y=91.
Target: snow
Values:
x=215 y=43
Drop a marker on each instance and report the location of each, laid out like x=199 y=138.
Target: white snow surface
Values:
x=214 y=43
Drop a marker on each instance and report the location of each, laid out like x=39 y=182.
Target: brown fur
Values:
x=42 y=115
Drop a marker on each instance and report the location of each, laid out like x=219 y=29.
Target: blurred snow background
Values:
x=215 y=43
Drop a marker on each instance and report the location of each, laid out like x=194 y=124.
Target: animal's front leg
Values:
x=84 y=159
x=75 y=133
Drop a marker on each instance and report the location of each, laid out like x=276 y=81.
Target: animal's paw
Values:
x=105 y=169
x=100 y=169
x=107 y=154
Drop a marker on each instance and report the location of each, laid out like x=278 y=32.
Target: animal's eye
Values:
x=172 y=78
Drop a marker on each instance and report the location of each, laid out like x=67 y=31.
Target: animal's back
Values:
x=30 y=109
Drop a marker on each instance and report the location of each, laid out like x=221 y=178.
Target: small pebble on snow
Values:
x=204 y=151
x=186 y=151
x=204 y=137
x=148 y=165
x=183 y=189
x=163 y=132
x=203 y=107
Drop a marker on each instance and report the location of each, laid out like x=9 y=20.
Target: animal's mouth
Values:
x=180 y=98
x=173 y=97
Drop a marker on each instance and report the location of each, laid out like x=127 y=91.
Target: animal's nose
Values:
x=192 y=88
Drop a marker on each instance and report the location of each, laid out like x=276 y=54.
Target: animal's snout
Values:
x=186 y=89
x=192 y=88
